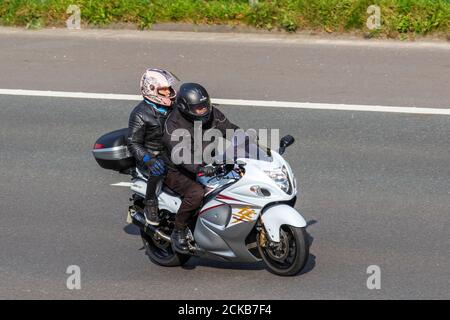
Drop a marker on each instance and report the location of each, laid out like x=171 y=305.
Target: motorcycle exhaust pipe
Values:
x=138 y=219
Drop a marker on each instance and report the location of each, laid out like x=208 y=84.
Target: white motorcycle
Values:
x=247 y=214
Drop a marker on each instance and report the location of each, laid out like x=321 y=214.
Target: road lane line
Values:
x=65 y=94
x=330 y=106
x=235 y=102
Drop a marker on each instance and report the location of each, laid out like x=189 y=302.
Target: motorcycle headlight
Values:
x=281 y=178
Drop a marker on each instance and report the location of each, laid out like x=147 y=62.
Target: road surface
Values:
x=374 y=186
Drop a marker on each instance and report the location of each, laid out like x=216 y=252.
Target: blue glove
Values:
x=156 y=166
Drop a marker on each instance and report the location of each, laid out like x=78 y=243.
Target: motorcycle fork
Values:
x=262 y=237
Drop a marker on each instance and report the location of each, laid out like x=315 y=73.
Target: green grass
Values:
x=399 y=18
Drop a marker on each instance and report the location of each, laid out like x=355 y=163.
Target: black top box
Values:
x=111 y=152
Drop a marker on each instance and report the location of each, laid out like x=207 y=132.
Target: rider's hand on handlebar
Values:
x=207 y=170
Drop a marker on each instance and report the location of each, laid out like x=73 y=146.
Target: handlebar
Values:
x=223 y=169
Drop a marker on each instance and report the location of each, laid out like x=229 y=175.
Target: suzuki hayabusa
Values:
x=247 y=214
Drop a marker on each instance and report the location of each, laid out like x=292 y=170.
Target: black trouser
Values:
x=152 y=184
x=191 y=192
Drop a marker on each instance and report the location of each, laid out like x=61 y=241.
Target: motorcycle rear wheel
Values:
x=289 y=257
x=161 y=252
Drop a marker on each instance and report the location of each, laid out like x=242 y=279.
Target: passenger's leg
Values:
x=151 y=200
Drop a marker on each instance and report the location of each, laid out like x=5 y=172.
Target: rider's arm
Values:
x=193 y=168
x=171 y=142
x=136 y=136
x=223 y=123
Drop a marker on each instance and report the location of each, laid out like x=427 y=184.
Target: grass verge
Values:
x=399 y=18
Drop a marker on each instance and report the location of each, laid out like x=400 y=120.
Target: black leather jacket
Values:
x=177 y=121
x=145 y=132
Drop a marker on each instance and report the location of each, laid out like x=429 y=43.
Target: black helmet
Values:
x=192 y=97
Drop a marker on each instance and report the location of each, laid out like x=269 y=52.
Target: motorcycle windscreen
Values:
x=244 y=145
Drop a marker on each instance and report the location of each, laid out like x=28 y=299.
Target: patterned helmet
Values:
x=155 y=80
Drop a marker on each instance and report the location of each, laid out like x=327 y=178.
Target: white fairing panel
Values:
x=255 y=176
x=168 y=202
x=165 y=201
x=278 y=215
x=139 y=186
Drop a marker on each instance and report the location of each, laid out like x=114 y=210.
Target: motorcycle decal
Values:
x=222 y=197
x=208 y=190
x=245 y=214
x=212 y=207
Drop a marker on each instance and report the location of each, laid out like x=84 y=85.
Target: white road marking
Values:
x=235 y=102
x=330 y=106
x=65 y=94
x=122 y=184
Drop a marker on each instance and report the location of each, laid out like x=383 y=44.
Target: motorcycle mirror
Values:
x=285 y=142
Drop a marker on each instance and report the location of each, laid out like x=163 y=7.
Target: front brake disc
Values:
x=279 y=251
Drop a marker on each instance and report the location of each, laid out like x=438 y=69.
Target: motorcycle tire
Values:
x=162 y=253
x=295 y=242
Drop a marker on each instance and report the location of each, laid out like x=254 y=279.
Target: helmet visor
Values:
x=200 y=109
x=167 y=92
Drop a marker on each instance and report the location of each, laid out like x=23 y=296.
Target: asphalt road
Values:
x=254 y=67
x=375 y=187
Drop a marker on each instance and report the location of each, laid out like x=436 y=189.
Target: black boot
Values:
x=179 y=240
x=151 y=213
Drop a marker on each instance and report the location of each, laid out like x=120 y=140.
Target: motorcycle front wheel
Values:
x=289 y=256
x=161 y=252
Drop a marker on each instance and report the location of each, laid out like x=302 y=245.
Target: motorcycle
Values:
x=247 y=214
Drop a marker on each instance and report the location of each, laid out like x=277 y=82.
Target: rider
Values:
x=192 y=104
x=145 y=133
